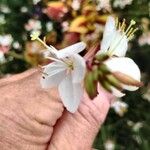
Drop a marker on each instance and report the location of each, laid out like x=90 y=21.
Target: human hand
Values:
x=32 y=118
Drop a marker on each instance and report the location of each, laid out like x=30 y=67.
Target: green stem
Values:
x=15 y=55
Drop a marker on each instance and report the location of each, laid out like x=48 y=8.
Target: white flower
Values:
x=2 y=19
x=49 y=26
x=24 y=9
x=16 y=45
x=122 y=3
x=67 y=72
x=33 y=25
x=115 y=37
x=36 y=1
x=76 y=4
x=6 y=40
x=109 y=145
x=5 y=9
x=137 y=126
x=119 y=107
x=126 y=66
x=104 y=4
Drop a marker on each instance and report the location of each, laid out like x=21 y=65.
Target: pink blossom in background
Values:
x=33 y=25
x=144 y=39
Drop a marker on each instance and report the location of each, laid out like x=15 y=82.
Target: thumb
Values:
x=83 y=126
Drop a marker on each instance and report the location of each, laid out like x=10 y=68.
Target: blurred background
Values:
x=64 y=22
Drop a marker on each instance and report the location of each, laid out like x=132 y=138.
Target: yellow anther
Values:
x=132 y=22
x=130 y=36
x=35 y=35
x=123 y=25
x=129 y=33
x=134 y=30
x=116 y=22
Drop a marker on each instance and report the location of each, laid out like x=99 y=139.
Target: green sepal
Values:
x=91 y=85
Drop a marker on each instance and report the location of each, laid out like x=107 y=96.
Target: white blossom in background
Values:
x=146 y=95
x=5 y=43
x=104 y=4
x=119 y=107
x=33 y=25
x=2 y=19
x=137 y=126
x=49 y=26
x=6 y=40
x=144 y=39
x=76 y=4
x=36 y=1
x=16 y=45
x=130 y=123
x=65 y=26
x=109 y=145
x=5 y=9
x=122 y=3
x=115 y=43
x=24 y=9
x=67 y=72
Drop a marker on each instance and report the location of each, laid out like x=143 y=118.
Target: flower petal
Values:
x=108 y=35
x=79 y=68
x=116 y=92
x=119 y=45
x=70 y=93
x=53 y=74
x=127 y=66
x=70 y=50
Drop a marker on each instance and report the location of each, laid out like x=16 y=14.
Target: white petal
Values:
x=53 y=74
x=79 y=66
x=116 y=92
x=127 y=66
x=70 y=93
x=70 y=50
x=119 y=44
x=130 y=88
x=108 y=35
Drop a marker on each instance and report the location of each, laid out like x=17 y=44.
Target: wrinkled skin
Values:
x=32 y=118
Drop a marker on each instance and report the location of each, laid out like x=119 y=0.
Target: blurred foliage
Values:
x=123 y=131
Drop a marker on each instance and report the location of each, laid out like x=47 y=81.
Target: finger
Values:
x=78 y=131
x=29 y=112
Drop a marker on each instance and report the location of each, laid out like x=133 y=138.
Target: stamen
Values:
x=132 y=22
x=42 y=42
x=116 y=22
x=129 y=33
x=45 y=73
x=55 y=59
x=44 y=39
x=123 y=25
x=40 y=70
x=132 y=33
x=52 y=51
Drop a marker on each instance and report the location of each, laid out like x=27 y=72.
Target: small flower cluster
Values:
x=108 y=67
x=5 y=44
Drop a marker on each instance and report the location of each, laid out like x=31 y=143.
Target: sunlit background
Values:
x=64 y=22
